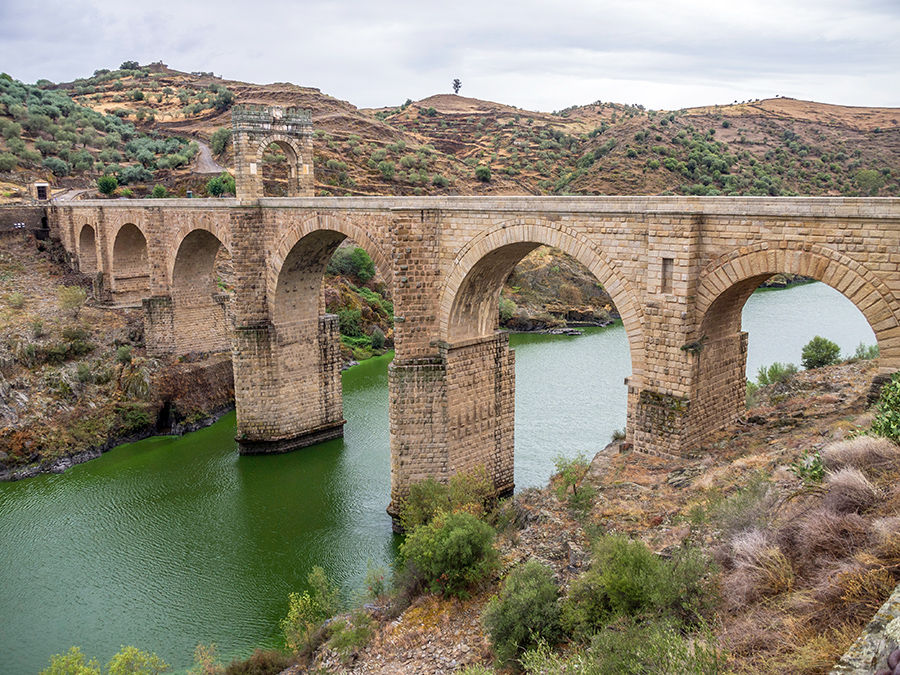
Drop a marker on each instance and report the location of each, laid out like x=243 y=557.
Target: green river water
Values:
x=173 y=541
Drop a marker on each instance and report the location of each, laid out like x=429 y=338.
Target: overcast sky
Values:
x=532 y=54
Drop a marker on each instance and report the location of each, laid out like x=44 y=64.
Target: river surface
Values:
x=173 y=541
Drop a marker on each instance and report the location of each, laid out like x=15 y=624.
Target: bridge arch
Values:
x=130 y=266
x=294 y=155
x=200 y=278
x=725 y=285
x=728 y=281
x=469 y=296
x=87 y=250
x=302 y=254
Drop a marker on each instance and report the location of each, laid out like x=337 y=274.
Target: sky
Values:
x=538 y=55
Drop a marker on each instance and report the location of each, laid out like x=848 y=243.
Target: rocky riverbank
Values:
x=749 y=470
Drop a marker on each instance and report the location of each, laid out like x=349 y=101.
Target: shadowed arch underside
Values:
x=200 y=294
x=87 y=250
x=130 y=267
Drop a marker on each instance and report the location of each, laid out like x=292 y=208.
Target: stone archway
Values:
x=200 y=296
x=130 y=266
x=255 y=128
x=724 y=287
x=87 y=250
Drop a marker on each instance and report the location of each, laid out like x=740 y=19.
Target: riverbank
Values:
x=747 y=472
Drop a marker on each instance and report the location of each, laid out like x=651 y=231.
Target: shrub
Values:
x=862 y=452
x=133 y=661
x=525 y=611
x=71 y=663
x=220 y=139
x=483 y=173
x=261 y=662
x=776 y=373
x=8 y=161
x=633 y=647
x=453 y=552
x=820 y=352
x=353 y=262
x=215 y=187
x=123 y=354
x=439 y=180
x=569 y=472
x=809 y=468
x=626 y=579
x=848 y=490
x=348 y=637
x=308 y=610
x=134 y=379
x=348 y=322
x=57 y=166
x=159 y=192
x=865 y=352
x=887 y=419
x=71 y=298
x=471 y=491
x=377 y=338
x=386 y=169
x=507 y=309
x=16 y=300
x=107 y=184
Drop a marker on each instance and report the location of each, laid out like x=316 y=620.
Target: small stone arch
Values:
x=200 y=294
x=221 y=233
x=130 y=266
x=322 y=234
x=728 y=281
x=87 y=250
x=469 y=296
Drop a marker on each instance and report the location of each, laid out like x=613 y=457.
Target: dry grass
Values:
x=863 y=452
x=848 y=490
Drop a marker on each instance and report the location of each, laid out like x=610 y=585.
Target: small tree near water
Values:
x=308 y=610
x=820 y=352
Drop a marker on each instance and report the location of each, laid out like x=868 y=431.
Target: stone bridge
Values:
x=679 y=270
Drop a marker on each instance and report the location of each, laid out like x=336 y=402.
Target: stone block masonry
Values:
x=678 y=269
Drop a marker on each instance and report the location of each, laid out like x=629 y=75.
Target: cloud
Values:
x=531 y=53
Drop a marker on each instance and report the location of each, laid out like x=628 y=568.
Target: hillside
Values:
x=769 y=147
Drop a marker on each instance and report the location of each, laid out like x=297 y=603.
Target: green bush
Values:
x=107 y=184
x=777 y=372
x=133 y=661
x=483 y=173
x=569 y=472
x=215 y=187
x=866 y=352
x=507 y=309
x=8 y=161
x=220 y=139
x=452 y=553
x=438 y=180
x=16 y=300
x=626 y=579
x=525 y=611
x=71 y=298
x=633 y=648
x=261 y=662
x=159 y=192
x=308 y=610
x=348 y=322
x=348 y=637
x=352 y=262
x=131 y=418
x=71 y=663
x=887 y=419
x=377 y=338
x=472 y=491
x=57 y=166
x=386 y=169
x=820 y=352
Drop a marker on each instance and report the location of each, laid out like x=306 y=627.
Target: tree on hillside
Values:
x=129 y=65
x=457 y=83
x=107 y=184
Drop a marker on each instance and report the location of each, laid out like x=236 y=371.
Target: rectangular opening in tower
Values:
x=667 y=266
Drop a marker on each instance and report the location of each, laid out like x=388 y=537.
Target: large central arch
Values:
x=724 y=287
x=469 y=296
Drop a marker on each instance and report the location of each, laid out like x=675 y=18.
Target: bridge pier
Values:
x=287 y=385
x=159 y=325
x=452 y=413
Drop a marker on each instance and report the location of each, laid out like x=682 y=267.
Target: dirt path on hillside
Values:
x=205 y=162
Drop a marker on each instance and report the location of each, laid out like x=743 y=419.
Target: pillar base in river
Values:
x=281 y=445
